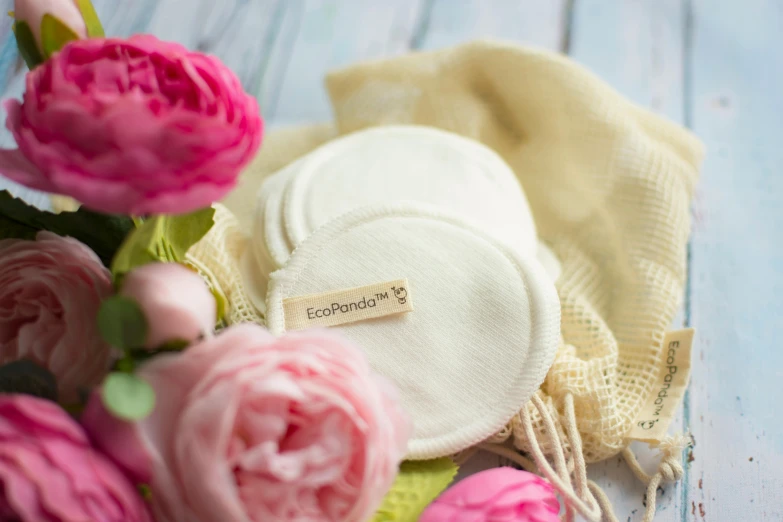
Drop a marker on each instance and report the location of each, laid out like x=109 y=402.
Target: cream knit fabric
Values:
x=484 y=327
x=609 y=185
x=415 y=163
x=381 y=165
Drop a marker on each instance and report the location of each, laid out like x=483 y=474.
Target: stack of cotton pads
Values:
x=419 y=245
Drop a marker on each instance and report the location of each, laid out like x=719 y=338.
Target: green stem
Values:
x=126 y=364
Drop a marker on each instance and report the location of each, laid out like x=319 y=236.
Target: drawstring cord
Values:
x=569 y=476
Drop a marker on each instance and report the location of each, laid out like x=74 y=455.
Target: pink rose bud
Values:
x=49 y=472
x=132 y=126
x=43 y=27
x=176 y=301
x=496 y=494
x=251 y=427
x=50 y=293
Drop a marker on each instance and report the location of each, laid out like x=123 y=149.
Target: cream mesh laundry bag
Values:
x=609 y=185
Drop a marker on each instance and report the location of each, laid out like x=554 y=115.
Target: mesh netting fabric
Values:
x=609 y=184
x=217 y=257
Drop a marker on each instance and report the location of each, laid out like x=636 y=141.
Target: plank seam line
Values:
x=422 y=24
x=274 y=97
x=567 y=25
x=687 y=48
x=272 y=32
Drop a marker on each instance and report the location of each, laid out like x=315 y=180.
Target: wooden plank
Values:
x=637 y=47
x=127 y=17
x=737 y=262
x=236 y=31
x=280 y=47
x=450 y=22
x=329 y=34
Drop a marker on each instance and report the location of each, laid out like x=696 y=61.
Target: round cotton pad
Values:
x=269 y=246
x=395 y=163
x=272 y=245
x=482 y=332
x=549 y=261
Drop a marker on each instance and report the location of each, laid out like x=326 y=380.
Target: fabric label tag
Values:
x=348 y=306
x=675 y=368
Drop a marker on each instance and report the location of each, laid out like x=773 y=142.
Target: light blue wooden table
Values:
x=714 y=66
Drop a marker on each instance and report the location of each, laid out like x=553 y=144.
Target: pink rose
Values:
x=66 y=11
x=175 y=300
x=136 y=126
x=50 y=292
x=248 y=427
x=50 y=473
x=496 y=494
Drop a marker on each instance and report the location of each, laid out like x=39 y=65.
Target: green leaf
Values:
x=103 y=233
x=162 y=238
x=221 y=304
x=91 y=20
x=139 y=248
x=54 y=35
x=28 y=48
x=186 y=230
x=10 y=229
x=135 y=358
x=417 y=485
x=127 y=397
x=122 y=323
x=26 y=377
x=174 y=345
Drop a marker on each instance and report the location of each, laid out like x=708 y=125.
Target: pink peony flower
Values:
x=50 y=292
x=134 y=126
x=50 y=473
x=497 y=494
x=175 y=300
x=249 y=427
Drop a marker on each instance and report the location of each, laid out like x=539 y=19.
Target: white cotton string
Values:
x=528 y=465
x=603 y=502
x=580 y=467
x=560 y=477
x=512 y=455
x=584 y=496
x=463 y=456
x=670 y=469
x=524 y=463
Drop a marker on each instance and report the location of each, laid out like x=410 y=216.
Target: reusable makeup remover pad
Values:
x=389 y=164
x=385 y=165
x=464 y=324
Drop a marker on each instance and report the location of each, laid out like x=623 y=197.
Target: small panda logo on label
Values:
x=401 y=294
x=647 y=425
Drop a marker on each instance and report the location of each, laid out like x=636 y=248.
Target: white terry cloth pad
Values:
x=484 y=326
x=269 y=245
x=396 y=163
x=386 y=165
